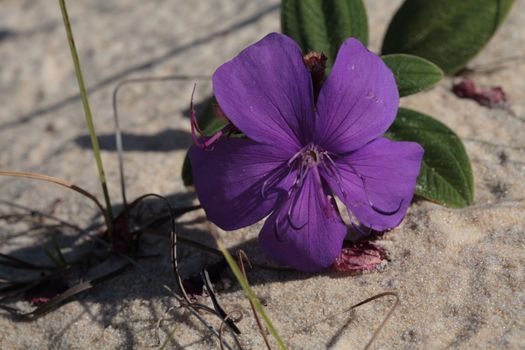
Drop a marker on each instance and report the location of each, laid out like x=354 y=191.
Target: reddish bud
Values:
x=316 y=65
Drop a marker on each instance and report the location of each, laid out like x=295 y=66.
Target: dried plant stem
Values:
x=116 y=119
x=366 y=301
x=60 y=182
x=387 y=317
x=233 y=319
x=89 y=117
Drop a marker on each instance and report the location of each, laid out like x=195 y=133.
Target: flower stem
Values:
x=89 y=117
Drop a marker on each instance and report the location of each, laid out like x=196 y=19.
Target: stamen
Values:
x=274 y=177
x=213 y=138
x=327 y=205
x=295 y=156
x=209 y=141
x=195 y=128
x=291 y=221
x=335 y=172
x=290 y=214
x=277 y=230
x=303 y=171
x=376 y=209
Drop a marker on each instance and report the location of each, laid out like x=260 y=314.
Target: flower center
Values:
x=311 y=156
x=307 y=158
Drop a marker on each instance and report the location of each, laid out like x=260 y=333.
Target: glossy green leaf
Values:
x=413 y=74
x=446 y=32
x=210 y=122
x=323 y=25
x=446 y=176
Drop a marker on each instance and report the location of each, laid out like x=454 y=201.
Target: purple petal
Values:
x=239 y=180
x=389 y=171
x=358 y=101
x=266 y=92
x=306 y=232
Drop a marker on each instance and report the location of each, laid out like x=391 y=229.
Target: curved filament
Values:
x=195 y=128
x=332 y=167
x=273 y=179
x=276 y=231
x=290 y=213
x=370 y=203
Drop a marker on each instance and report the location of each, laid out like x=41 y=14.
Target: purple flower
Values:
x=297 y=156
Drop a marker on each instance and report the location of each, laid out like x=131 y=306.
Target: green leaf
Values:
x=413 y=74
x=210 y=122
x=446 y=32
x=446 y=176
x=318 y=25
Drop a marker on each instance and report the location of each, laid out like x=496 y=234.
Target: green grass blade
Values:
x=87 y=112
x=251 y=295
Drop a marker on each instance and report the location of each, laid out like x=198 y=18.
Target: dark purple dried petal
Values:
x=465 y=89
x=492 y=97
x=356 y=258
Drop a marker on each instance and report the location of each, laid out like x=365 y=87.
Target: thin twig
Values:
x=228 y=320
x=118 y=130
x=11 y=261
x=63 y=183
x=218 y=308
x=193 y=308
x=379 y=328
x=173 y=240
x=59 y=299
x=184 y=299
